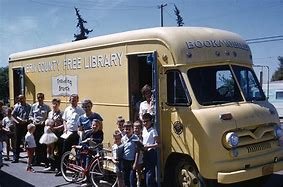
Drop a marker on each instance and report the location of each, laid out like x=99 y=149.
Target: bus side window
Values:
x=279 y=95
x=176 y=89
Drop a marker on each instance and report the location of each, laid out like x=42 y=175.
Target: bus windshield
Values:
x=249 y=84
x=217 y=85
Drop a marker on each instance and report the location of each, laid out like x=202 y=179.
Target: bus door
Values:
x=143 y=69
x=175 y=113
x=140 y=73
x=18 y=82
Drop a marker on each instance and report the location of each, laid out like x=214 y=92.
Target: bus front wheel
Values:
x=185 y=174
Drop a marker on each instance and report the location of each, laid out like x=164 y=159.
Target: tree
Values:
x=4 y=84
x=83 y=31
x=278 y=74
x=179 y=18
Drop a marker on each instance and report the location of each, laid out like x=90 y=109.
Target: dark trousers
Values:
x=73 y=139
x=129 y=174
x=56 y=163
x=150 y=161
x=40 y=150
x=21 y=130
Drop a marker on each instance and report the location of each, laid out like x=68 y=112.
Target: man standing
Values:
x=70 y=116
x=21 y=118
x=38 y=115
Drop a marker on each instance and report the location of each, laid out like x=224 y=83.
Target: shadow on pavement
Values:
x=9 y=180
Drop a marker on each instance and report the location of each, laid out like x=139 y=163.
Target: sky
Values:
x=29 y=24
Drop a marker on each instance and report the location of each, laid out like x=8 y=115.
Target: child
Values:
x=48 y=138
x=30 y=145
x=120 y=122
x=2 y=139
x=130 y=156
x=138 y=132
x=9 y=127
x=116 y=156
x=150 y=142
x=96 y=134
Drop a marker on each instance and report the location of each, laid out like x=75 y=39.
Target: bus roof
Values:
x=189 y=44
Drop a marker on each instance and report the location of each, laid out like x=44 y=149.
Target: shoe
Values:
x=7 y=159
x=49 y=169
x=15 y=161
x=85 y=184
x=30 y=169
x=59 y=173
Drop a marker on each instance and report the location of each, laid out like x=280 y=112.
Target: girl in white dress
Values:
x=48 y=137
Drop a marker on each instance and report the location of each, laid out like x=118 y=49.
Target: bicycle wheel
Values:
x=109 y=179
x=102 y=177
x=96 y=173
x=69 y=168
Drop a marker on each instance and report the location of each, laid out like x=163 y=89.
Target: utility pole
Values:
x=161 y=9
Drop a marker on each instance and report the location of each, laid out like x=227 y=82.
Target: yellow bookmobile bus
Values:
x=212 y=125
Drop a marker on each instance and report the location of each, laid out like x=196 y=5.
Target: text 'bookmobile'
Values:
x=212 y=125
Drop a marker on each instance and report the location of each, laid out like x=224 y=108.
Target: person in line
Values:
x=120 y=122
x=117 y=151
x=138 y=131
x=9 y=127
x=147 y=105
x=85 y=120
x=71 y=120
x=20 y=115
x=56 y=115
x=150 y=142
x=3 y=138
x=30 y=145
x=38 y=114
x=49 y=138
x=96 y=135
x=130 y=155
x=2 y=112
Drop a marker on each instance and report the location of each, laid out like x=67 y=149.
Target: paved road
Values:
x=15 y=175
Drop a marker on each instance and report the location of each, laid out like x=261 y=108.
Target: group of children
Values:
x=134 y=152
x=134 y=149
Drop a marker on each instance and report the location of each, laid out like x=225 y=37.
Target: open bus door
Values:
x=143 y=69
x=18 y=82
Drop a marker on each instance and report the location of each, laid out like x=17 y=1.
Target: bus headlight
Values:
x=278 y=131
x=232 y=139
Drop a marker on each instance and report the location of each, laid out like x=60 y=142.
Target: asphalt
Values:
x=15 y=175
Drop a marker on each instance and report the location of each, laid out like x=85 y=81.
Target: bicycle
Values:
x=89 y=163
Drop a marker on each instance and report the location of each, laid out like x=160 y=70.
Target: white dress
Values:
x=48 y=137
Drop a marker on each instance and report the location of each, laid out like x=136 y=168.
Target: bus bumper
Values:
x=250 y=173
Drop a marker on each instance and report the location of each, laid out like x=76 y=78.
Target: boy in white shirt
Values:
x=150 y=142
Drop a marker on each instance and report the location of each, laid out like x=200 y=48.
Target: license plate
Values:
x=267 y=169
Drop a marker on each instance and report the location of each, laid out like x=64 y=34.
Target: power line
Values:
x=264 y=41
x=263 y=38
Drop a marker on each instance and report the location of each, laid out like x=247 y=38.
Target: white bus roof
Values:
x=189 y=44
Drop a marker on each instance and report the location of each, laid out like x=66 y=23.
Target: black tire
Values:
x=183 y=172
x=96 y=173
x=101 y=177
x=70 y=170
